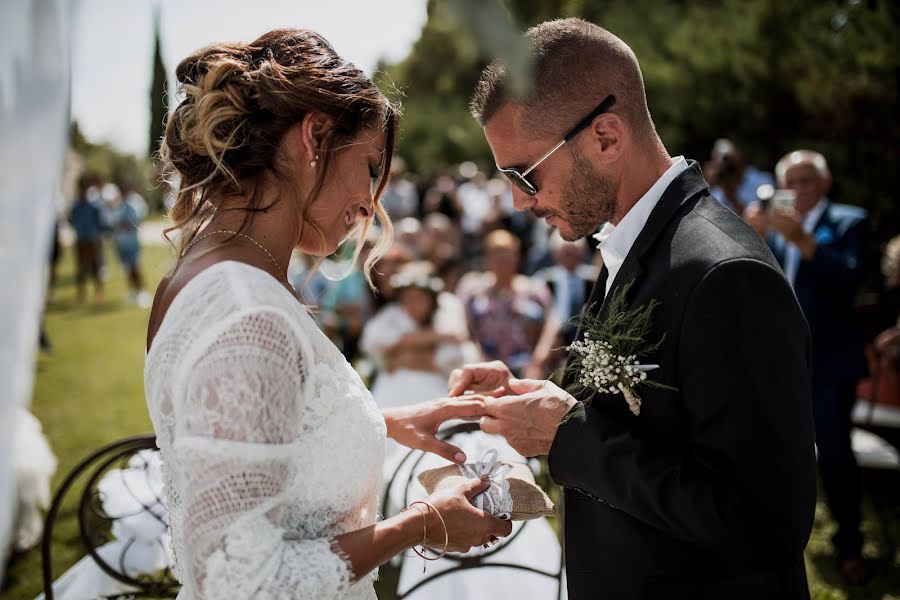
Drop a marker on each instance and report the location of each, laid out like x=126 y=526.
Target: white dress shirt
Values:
x=792 y=253
x=616 y=240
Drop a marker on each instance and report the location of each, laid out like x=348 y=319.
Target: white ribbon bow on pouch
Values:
x=496 y=497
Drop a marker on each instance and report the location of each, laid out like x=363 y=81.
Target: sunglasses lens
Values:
x=520 y=182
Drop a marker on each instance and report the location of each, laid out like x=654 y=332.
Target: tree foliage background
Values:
x=773 y=75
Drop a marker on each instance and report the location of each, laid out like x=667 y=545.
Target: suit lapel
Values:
x=687 y=185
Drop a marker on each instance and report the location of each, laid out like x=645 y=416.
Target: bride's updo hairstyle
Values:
x=239 y=100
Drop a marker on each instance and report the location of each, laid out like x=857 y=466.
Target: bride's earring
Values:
x=314 y=162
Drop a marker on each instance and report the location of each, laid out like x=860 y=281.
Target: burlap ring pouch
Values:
x=513 y=492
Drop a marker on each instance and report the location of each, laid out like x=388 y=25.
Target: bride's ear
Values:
x=313 y=129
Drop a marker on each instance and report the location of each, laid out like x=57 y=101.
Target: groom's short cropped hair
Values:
x=576 y=64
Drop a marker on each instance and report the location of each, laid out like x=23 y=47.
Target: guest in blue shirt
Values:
x=732 y=181
x=86 y=218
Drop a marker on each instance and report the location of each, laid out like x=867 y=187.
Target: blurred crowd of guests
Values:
x=104 y=210
x=469 y=278
x=501 y=284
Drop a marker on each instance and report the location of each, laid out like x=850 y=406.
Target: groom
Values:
x=710 y=491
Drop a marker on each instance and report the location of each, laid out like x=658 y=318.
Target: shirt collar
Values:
x=616 y=240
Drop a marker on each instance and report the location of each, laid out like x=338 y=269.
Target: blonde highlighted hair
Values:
x=238 y=102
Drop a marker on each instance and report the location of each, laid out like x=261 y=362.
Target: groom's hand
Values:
x=529 y=418
x=489 y=378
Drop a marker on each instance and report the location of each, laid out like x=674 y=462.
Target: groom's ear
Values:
x=607 y=135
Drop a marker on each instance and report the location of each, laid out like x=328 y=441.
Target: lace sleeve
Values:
x=243 y=405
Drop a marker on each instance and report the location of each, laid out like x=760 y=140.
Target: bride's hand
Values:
x=467 y=526
x=415 y=426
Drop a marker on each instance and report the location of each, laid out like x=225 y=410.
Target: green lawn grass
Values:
x=89 y=391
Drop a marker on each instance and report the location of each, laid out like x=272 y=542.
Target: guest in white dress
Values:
x=415 y=343
x=272 y=447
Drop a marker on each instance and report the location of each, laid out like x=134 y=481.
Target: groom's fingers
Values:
x=487 y=378
x=462 y=409
x=456 y=383
x=490 y=424
x=524 y=386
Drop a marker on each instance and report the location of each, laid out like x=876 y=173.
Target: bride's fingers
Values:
x=473 y=487
x=443 y=449
x=501 y=527
x=463 y=409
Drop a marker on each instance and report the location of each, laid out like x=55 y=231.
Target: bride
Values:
x=272 y=446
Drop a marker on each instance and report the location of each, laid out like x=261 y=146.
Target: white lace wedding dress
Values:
x=271 y=444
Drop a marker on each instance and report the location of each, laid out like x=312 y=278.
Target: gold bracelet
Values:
x=443 y=524
x=424 y=524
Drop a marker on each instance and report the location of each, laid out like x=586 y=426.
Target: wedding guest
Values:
x=417 y=339
x=401 y=199
x=123 y=218
x=442 y=198
x=506 y=310
x=570 y=281
x=344 y=305
x=86 y=219
x=478 y=211
x=732 y=179
x=886 y=359
x=395 y=257
x=408 y=232
x=821 y=247
x=442 y=246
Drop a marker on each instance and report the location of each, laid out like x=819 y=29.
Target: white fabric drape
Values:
x=34 y=104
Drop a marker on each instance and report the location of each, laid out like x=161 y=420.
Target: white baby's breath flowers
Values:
x=606 y=372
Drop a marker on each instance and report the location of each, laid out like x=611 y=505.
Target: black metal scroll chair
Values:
x=95 y=525
x=389 y=574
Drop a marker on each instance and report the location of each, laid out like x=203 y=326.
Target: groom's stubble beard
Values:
x=588 y=201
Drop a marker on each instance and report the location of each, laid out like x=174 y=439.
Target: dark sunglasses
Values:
x=520 y=178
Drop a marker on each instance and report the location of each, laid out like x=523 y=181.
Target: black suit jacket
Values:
x=710 y=492
x=826 y=287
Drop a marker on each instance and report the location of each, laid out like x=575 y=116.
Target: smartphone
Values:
x=784 y=200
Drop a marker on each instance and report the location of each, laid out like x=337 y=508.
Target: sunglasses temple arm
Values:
x=543 y=158
x=602 y=108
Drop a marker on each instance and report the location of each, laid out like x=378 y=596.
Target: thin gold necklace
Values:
x=243 y=235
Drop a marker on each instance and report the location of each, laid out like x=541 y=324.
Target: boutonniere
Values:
x=607 y=358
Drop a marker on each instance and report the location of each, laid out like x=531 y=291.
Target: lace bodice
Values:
x=271 y=443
